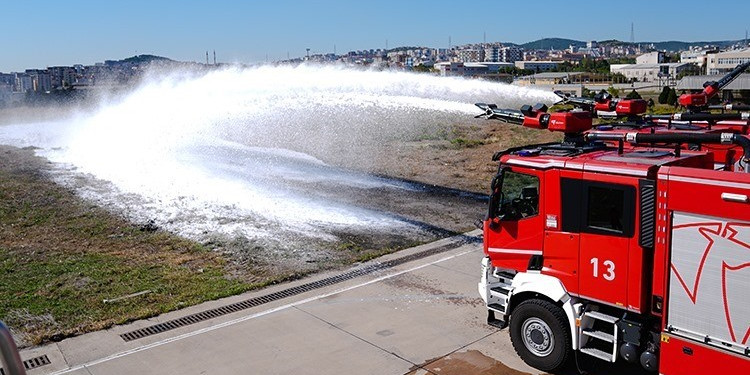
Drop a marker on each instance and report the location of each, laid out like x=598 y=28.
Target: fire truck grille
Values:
x=293 y=291
x=647 y=192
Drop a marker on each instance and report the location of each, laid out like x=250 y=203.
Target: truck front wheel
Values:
x=540 y=334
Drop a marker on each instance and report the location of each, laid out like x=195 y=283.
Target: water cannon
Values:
x=699 y=101
x=537 y=117
x=491 y=112
x=586 y=104
x=605 y=106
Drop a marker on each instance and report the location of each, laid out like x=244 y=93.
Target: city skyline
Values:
x=86 y=32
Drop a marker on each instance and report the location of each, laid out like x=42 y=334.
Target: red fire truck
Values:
x=622 y=246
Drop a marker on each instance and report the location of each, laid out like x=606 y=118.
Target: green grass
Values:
x=71 y=289
x=61 y=257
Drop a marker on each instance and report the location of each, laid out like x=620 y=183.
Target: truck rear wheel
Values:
x=540 y=334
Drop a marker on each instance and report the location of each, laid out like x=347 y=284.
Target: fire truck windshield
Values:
x=519 y=197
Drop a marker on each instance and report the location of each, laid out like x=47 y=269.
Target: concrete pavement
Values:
x=418 y=317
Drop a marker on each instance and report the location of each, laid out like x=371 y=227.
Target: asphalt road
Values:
x=417 y=317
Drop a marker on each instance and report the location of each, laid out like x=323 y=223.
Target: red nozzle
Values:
x=693 y=100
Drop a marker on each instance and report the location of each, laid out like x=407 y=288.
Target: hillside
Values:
x=553 y=43
x=144 y=59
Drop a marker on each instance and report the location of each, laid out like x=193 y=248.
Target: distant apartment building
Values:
x=537 y=66
x=510 y=54
x=40 y=80
x=655 y=57
x=492 y=54
x=470 y=55
x=24 y=83
x=62 y=76
x=723 y=62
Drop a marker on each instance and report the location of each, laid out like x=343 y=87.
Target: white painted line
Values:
x=249 y=317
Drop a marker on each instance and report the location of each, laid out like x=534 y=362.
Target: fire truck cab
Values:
x=639 y=253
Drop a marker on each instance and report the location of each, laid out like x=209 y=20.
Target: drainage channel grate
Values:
x=293 y=291
x=32 y=363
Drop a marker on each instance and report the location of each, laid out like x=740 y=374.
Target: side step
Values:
x=601 y=335
x=598 y=335
x=598 y=353
x=502 y=289
x=497 y=307
x=497 y=323
x=498 y=295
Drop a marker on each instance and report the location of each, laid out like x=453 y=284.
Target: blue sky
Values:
x=36 y=33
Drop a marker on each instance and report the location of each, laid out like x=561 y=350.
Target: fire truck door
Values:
x=514 y=236
x=605 y=219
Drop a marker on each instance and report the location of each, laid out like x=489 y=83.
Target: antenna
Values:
x=386 y=45
x=214 y=57
x=334 y=50
x=449 y=42
x=484 y=37
x=206 y=57
x=632 y=33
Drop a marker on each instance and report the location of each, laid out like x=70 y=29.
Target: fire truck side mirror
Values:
x=496 y=197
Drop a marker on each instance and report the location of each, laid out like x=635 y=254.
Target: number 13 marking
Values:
x=609 y=275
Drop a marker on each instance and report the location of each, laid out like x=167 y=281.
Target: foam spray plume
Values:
x=248 y=153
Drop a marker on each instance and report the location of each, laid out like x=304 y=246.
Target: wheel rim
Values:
x=537 y=337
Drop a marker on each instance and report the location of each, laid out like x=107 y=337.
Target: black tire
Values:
x=547 y=345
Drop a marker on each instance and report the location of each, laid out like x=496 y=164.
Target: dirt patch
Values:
x=470 y=362
x=457 y=157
